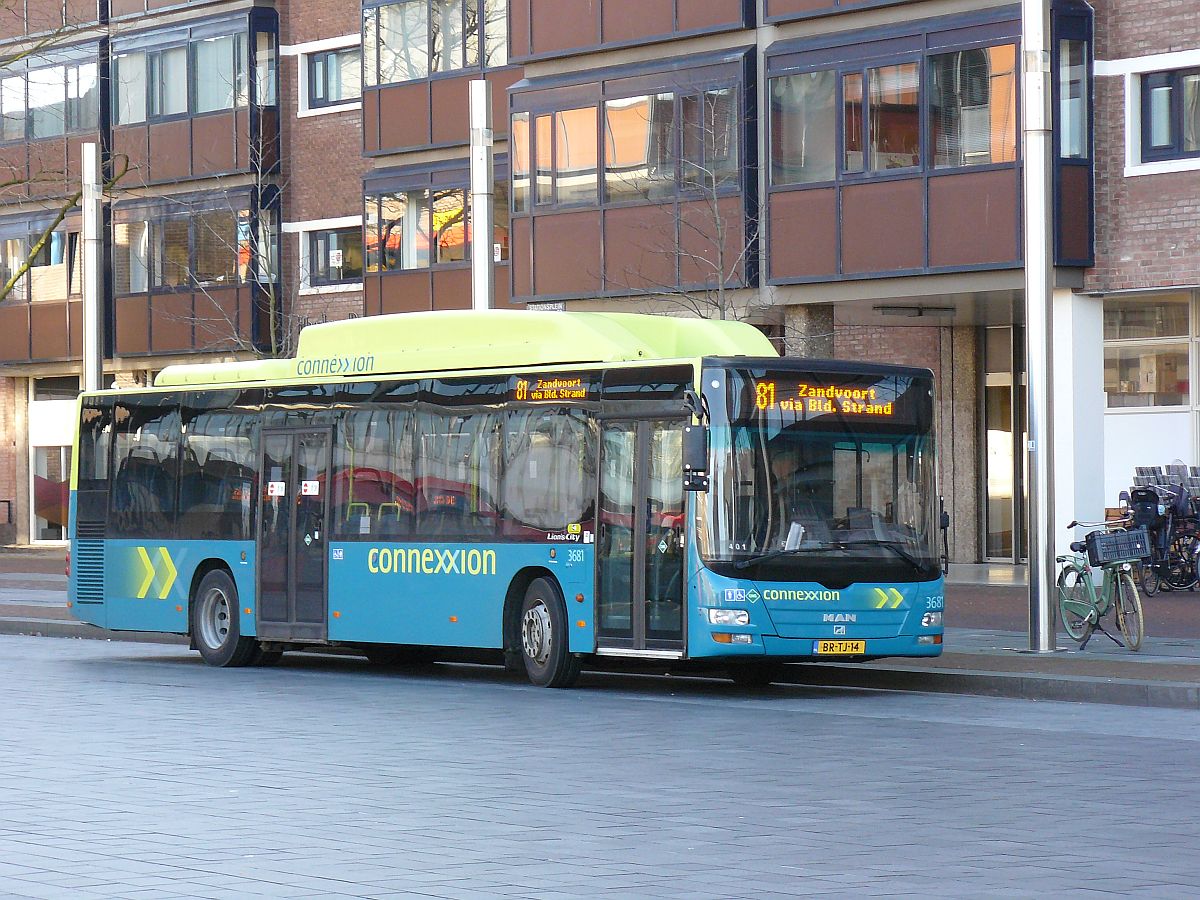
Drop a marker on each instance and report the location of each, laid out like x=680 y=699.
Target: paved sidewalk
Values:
x=987 y=661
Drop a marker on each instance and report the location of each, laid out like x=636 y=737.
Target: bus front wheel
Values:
x=215 y=629
x=548 y=660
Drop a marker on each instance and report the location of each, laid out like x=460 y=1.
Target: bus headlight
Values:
x=728 y=617
x=931 y=620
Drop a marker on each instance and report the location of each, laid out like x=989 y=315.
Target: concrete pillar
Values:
x=24 y=475
x=808 y=331
x=957 y=431
x=1078 y=404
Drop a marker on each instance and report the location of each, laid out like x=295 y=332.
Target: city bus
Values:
x=545 y=489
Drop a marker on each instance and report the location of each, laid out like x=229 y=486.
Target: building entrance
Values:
x=1003 y=417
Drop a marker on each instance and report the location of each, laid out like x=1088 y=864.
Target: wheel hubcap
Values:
x=214 y=619
x=535 y=634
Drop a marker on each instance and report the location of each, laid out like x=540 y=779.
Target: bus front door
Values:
x=292 y=527
x=639 y=539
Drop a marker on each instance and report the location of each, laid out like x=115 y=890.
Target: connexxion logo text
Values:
x=430 y=561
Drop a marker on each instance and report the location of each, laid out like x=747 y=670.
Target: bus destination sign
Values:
x=805 y=398
x=550 y=387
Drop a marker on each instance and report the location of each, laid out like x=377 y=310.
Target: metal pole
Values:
x=482 y=189
x=93 y=271
x=1039 y=310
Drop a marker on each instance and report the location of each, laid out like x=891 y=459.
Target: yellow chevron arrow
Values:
x=171 y=573
x=882 y=596
x=897 y=597
x=145 y=558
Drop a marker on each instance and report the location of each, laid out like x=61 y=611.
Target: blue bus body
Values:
x=547 y=514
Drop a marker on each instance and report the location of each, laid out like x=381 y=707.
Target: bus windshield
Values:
x=826 y=476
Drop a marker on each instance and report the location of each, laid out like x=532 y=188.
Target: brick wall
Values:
x=898 y=345
x=1147 y=226
x=322 y=156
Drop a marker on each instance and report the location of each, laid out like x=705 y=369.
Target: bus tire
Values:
x=543 y=632
x=755 y=674
x=215 y=623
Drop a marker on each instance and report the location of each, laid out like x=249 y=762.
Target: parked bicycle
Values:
x=1166 y=506
x=1081 y=606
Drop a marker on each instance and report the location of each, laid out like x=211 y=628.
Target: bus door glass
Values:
x=293 y=523
x=640 y=535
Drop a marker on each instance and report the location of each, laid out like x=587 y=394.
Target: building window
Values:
x=1073 y=105
x=973 y=106
x=219 y=79
x=640 y=152
x=334 y=77
x=1146 y=351
x=397 y=231
x=208 y=249
x=166 y=77
x=417 y=38
x=893 y=117
x=50 y=268
x=803 y=127
x=1171 y=115
x=967 y=102
x=424 y=227
x=50 y=101
x=203 y=75
x=335 y=256
x=708 y=124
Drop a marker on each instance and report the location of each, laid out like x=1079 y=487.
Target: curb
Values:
x=63 y=628
x=983 y=683
x=1013 y=685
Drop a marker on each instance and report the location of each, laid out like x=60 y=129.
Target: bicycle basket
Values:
x=1104 y=547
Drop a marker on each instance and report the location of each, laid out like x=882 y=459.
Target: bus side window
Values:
x=372 y=474
x=217 y=480
x=144 y=470
x=549 y=470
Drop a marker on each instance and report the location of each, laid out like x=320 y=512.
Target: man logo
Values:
x=839 y=629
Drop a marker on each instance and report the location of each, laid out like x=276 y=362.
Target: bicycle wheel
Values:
x=1180 y=574
x=1076 y=609
x=1129 y=611
x=1148 y=578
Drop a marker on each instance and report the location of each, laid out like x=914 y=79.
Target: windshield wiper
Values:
x=896 y=547
x=787 y=551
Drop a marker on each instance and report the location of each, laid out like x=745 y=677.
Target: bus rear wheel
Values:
x=215 y=623
x=548 y=660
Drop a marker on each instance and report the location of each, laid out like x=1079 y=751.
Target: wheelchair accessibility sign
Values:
x=740 y=595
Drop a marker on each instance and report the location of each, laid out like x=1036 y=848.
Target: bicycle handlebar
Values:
x=1112 y=524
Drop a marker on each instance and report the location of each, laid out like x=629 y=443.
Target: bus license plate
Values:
x=839 y=648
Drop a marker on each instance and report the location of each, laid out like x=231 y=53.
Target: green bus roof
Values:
x=491 y=339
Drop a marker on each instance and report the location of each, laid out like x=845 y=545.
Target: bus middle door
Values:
x=292 y=536
x=639 y=539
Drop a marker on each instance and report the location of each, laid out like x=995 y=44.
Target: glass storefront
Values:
x=51 y=426
x=1003 y=425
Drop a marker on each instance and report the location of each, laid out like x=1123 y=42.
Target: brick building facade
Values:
x=861 y=161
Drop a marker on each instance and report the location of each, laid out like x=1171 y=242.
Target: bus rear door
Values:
x=292 y=535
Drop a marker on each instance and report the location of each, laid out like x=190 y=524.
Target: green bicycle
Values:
x=1081 y=606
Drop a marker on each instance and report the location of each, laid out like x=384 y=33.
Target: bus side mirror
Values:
x=695 y=458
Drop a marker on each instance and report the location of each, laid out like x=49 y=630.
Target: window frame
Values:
x=308 y=277
x=681 y=192
x=1186 y=338
x=862 y=66
x=1172 y=78
x=309 y=102
x=245 y=276
x=371 y=80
